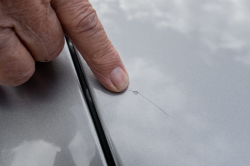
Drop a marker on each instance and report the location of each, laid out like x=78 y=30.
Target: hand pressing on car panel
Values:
x=33 y=30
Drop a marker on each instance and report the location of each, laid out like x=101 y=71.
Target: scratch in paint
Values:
x=138 y=93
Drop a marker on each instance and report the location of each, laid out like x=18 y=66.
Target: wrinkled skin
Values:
x=33 y=30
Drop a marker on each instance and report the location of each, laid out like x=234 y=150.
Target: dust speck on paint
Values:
x=136 y=92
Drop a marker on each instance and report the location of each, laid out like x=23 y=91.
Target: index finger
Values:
x=81 y=24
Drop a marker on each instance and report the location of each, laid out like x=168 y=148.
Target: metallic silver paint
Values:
x=191 y=59
x=45 y=122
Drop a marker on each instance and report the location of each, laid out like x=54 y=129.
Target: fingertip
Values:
x=120 y=79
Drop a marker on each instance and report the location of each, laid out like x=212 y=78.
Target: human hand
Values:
x=33 y=30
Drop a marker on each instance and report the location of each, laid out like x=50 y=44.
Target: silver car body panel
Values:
x=187 y=102
x=46 y=122
x=186 y=59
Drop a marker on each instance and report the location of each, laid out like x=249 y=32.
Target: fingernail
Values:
x=119 y=78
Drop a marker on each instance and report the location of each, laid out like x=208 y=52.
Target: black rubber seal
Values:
x=96 y=120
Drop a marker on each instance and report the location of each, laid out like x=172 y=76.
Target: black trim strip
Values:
x=97 y=123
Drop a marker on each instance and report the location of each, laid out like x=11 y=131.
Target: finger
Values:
x=16 y=63
x=81 y=24
x=38 y=28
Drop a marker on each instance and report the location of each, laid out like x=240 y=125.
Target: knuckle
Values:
x=51 y=53
x=86 y=20
x=46 y=2
x=57 y=51
x=5 y=38
x=105 y=59
x=17 y=78
x=46 y=58
x=14 y=70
